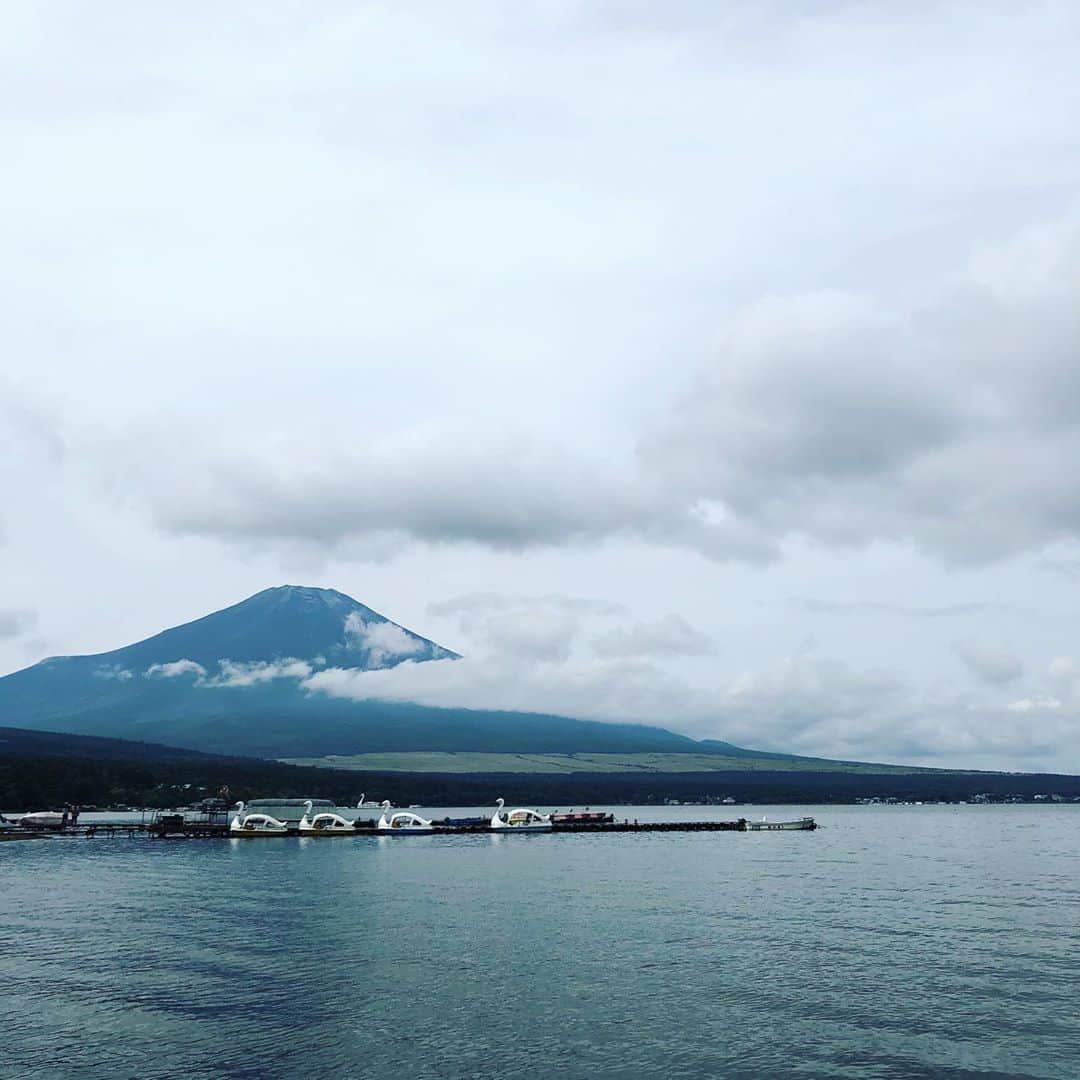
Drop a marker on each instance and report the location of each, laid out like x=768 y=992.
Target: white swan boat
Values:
x=403 y=823
x=255 y=824
x=519 y=820
x=324 y=824
x=799 y=825
x=42 y=819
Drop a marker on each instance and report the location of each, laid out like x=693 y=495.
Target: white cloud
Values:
x=480 y=604
x=598 y=689
x=175 y=669
x=233 y=673
x=115 y=672
x=539 y=628
x=383 y=642
x=1041 y=704
x=989 y=663
x=1063 y=668
x=669 y=636
x=236 y=673
x=807 y=705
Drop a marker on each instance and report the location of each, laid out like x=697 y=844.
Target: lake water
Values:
x=895 y=942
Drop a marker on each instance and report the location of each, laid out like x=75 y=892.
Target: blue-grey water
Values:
x=896 y=942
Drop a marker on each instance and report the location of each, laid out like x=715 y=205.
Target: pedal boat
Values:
x=324 y=824
x=41 y=819
x=403 y=823
x=520 y=820
x=256 y=824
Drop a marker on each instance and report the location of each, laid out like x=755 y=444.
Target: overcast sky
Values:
x=711 y=365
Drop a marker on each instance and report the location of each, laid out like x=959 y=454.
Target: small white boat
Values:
x=403 y=823
x=324 y=824
x=255 y=824
x=41 y=819
x=799 y=825
x=520 y=820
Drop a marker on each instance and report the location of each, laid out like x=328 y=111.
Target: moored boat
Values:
x=799 y=825
x=324 y=824
x=582 y=817
x=42 y=819
x=519 y=820
x=403 y=823
x=248 y=824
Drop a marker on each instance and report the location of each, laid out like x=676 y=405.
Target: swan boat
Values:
x=520 y=820
x=41 y=819
x=799 y=825
x=324 y=824
x=403 y=823
x=256 y=824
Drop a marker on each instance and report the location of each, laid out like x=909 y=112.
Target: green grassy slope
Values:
x=554 y=764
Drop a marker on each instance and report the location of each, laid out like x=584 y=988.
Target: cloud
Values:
x=383 y=642
x=669 y=636
x=235 y=673
x=1063 y=669
x=16 y=621
x=990 y=664
x=942 y=426
x=872 y=607
x=829 y=417
x=538 y=628
x=174 y=669
x=616 y=689
x=1042 y=704
x=807 y=704
x=231 y=673
x=115 y=672
x=503 y=494
x=483 y=603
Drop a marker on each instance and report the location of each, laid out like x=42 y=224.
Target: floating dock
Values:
x=173 y=827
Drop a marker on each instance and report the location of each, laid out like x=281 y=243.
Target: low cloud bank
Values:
x=806 y=705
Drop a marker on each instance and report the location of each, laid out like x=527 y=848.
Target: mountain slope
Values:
x=227 y=683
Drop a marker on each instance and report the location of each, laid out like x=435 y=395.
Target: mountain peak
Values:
x=302 y=596
x=323 y=627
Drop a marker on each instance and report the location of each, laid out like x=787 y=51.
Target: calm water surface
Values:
x=901 y=942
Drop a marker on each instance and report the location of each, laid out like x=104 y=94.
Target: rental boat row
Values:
x=254 y=820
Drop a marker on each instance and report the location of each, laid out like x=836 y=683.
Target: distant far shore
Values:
x=42 y=782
